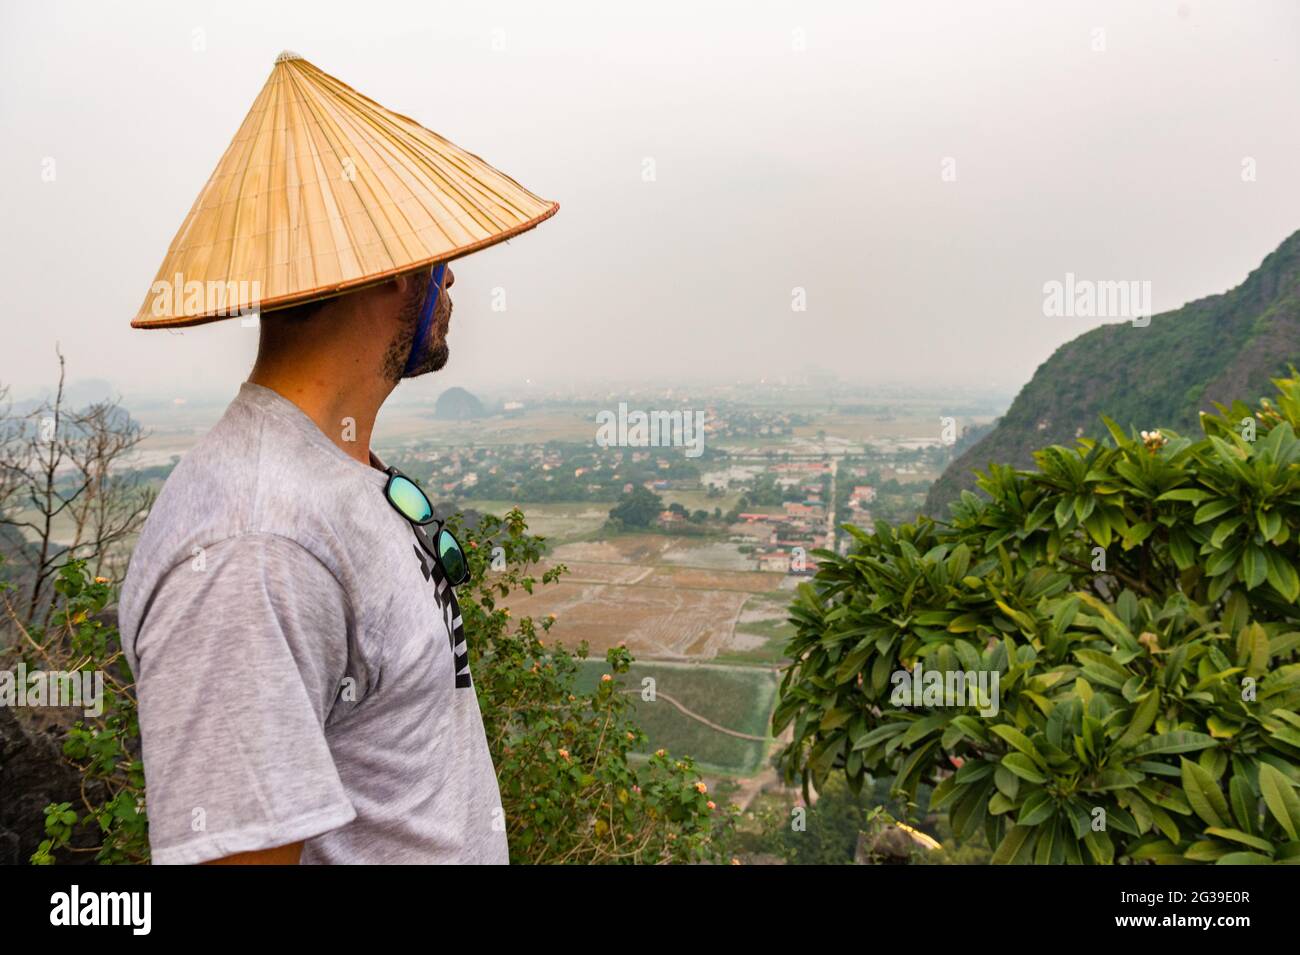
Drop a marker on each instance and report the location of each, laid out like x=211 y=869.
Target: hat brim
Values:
x=342 y=288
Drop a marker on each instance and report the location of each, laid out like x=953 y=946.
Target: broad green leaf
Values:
x=1203 y=795
x=1144 y=714
x=1037 y=807
x=1254 y=566
x=1220 y=728
x=973 y=770
x=1043 y=847
x=1212 y=509
x=1011 y=844
x=1162 y=851
x=1242 y=798
x=1280 y=799
x=921 y=729
x=1190 y=495
x=835 y=718
x=1245 y=838
x=879 y=735
x=1282 y=576
x=1008 y=783
x=1024 y=767
x=1206 y=850
x=1179 y=741
x=1099 y=846
x=1020 y=742
x=1244 y=858
x=971 y=727
x=1165 y=823
x=999 y=804
x=943 y=793
x=1253 y=650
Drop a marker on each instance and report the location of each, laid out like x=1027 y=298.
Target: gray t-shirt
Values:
x=300 y=664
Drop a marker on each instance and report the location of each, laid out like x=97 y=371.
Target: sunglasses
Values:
x=413 y=504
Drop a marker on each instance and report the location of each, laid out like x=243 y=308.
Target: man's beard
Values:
x=435 y=353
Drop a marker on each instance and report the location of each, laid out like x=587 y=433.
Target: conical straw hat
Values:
x=323 y=191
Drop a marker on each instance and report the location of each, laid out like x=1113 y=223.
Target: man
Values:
x=304 y=690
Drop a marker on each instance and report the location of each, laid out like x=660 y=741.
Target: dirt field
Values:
x=711 y=554
x=536 y=426
x=654 y=621
x=619 y=590
x=556 y=522
x=712 y=560
x=626 y=549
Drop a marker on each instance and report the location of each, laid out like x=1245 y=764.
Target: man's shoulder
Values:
x=252 y=478
x=251 y=473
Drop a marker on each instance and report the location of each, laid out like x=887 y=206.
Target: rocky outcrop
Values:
x=33 y=774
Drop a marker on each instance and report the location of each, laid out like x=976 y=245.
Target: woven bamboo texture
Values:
x=322 y=191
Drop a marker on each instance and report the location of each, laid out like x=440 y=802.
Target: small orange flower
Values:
x=564 y=754
x=701 y=788
x=606 y=678
x=712 y=805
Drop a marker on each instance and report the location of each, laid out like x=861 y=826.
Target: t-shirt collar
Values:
x=273 y=403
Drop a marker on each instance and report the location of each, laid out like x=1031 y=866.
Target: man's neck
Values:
x=343 y=407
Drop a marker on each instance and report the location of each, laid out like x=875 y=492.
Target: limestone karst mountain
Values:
x=1215 y=349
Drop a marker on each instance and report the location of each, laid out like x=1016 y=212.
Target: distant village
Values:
x=777 y=497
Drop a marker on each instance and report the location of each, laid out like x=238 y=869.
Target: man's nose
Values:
x=449 y=279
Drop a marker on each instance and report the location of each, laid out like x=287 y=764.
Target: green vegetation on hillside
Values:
x=1212 y=350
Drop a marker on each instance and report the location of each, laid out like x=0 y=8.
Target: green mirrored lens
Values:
x=452 y=557
x=410 y=500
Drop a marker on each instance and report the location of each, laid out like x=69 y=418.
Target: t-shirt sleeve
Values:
x=240 y=657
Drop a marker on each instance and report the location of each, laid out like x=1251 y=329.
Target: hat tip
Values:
x=286 y=55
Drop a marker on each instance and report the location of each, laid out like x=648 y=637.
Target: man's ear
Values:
x=390 y=300
x=403 y=285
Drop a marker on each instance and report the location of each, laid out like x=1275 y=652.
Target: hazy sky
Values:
x=793 y=144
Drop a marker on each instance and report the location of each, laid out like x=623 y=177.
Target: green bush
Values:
x=1136 y=599
x=110 y=820
x=569 y=793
